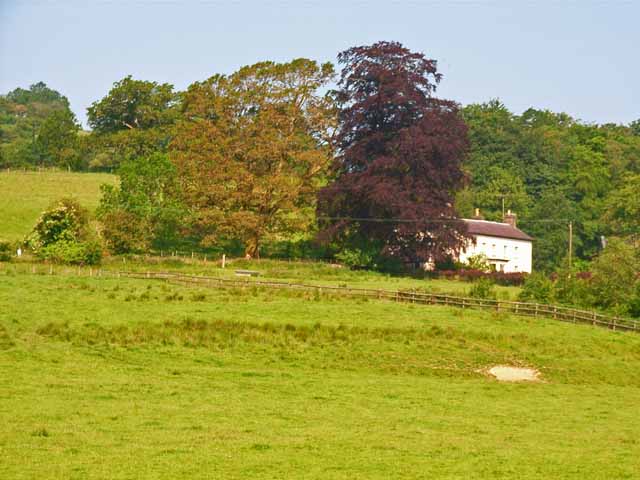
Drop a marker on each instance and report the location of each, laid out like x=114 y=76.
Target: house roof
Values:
x=495 y=229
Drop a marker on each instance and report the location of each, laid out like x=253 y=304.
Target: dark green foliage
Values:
x=6 y=250
x=615 y=279
x=539 y=288
x=552 y=169
x=72 y=252
x=37 y=128
x=143 y=212
x=133 y=104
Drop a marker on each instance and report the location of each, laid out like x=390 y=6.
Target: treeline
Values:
x=366 y=160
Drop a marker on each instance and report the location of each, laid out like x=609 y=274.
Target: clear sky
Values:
x=580 y=57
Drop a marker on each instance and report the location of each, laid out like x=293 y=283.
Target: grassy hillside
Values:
x=307 y=272
x=24 y=195
x=103 y=378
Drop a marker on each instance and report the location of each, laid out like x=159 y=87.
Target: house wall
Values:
x=518 y=253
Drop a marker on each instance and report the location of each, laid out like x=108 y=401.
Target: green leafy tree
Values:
x=623 y=208
x=615 y=276
x=134 y=120
x=133 y=104
x=57 y=140
x=144 y=210
x=35 y=128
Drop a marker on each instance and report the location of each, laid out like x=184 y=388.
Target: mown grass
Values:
x=101 y=378
x=25 y=195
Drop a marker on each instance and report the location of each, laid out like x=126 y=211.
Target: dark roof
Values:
x=495 y=229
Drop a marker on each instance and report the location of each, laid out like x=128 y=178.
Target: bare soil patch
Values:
x=505 y=373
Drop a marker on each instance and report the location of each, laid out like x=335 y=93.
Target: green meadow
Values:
x=107 y=378
x=25 y=195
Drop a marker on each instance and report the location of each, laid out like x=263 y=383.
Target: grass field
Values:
x=106 y=378
x=24 y=195
x=306 y=272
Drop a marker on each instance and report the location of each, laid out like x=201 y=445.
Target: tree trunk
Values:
x=252 y=247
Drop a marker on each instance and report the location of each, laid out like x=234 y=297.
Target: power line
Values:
x=426 y=220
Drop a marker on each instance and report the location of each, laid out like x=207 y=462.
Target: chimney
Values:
x=510 y=218
x=476 y=215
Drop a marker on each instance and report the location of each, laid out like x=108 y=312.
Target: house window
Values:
x=505 y=251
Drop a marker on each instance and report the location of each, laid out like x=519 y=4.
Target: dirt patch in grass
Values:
x=505 y=373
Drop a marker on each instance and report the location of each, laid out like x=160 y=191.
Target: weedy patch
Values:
x=6 y=341
x=40 y=432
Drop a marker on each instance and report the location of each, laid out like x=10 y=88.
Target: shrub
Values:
x=65 y=220
x=355 y=258
x=537 y=288
x=499 y=278
x=478 y=262
x=62 y=235
x=6 y=251
x=72 y=252
x=483 y=288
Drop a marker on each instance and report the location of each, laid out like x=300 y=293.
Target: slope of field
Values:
x=303 y=272
x=107 y=378
x=24 y=195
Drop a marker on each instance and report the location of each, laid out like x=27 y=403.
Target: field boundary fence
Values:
x=555 y=312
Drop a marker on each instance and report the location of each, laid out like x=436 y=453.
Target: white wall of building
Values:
x=506 y=253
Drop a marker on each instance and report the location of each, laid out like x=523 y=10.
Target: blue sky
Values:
x=578 y=57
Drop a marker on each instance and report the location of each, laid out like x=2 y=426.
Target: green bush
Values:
x=63 y=235
x=478 y=262
x=483 y=288
x=72 y=252
x=64 y=221
x=537 y=288
x=355 y=258
x=6 y=250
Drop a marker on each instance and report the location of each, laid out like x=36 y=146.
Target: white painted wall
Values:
x=517 y=252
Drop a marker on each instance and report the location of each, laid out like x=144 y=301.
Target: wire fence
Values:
x=555 y=312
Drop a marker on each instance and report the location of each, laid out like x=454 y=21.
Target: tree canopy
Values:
x=400 y=153
x=252 y=150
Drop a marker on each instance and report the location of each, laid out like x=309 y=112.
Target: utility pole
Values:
x=570 y=246
x=503 y=208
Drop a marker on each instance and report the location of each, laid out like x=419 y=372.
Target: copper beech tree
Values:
x=253 y=151
x=399 y=157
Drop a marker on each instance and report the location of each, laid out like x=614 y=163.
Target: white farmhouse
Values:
x=507 y=248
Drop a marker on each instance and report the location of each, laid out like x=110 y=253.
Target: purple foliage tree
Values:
x=400 y=153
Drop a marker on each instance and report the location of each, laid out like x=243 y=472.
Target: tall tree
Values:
x=253 y=150
x=144 y=210
x=399 y=156
x=37 y=127
x=132 y=104
x=134 y=120
x=57 y=140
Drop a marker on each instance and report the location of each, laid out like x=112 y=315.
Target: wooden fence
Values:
x=555 y=312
